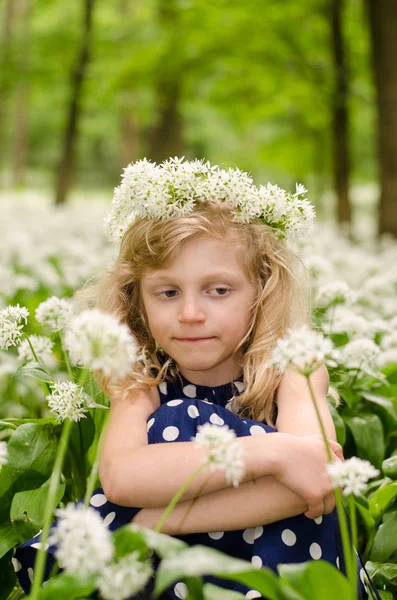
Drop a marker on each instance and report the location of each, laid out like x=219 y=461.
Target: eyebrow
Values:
x=155 y=278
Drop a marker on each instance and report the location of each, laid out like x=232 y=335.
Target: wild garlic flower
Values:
x=12 y=321
x=340 y=319
x=67 y=401
x=335 y=292
x=42 y=346
x=224 y=450
x=125 y=578
x=54 y=313
x=352 y=474
x=3 y=453
x=174 y=187
x=84 y=544
x=100 y=342
x=302 y=350
x=358 y=354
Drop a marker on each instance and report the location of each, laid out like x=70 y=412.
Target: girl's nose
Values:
x=191 y=311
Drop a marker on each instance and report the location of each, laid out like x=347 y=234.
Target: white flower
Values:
x=42 y=346
x=124 y=578
x=332 y=293
x=3 y=454
x=84 y=543
x=12 y=321
x=224 y=450
x=340 y=319
x=54 y=313
x=387 y=357
x=303 y=350
x=358 y=354
x=67 y=401
x=174 y=187
x=99 y=341
x=352 y=474
x=389 y=341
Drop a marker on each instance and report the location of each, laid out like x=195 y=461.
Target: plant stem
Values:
x=177 y=497
x=347 y=550
x=46 y=388
x=66 y=356
x=49 y=508
x=353 y=523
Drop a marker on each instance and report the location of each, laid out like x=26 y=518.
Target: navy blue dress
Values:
x=185 y=406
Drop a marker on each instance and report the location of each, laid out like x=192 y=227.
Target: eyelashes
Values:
x=223 y=289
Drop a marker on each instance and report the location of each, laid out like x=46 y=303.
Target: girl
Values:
x=207 y=287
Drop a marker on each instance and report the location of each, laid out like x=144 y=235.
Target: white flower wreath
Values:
x=172 y=189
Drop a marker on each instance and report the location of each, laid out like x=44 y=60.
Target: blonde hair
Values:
x=272 y=268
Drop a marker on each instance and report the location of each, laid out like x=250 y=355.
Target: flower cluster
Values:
x=174 y=187
x=125 y=578
x=42 y=346
x=224 y=450
x=84 y=543
x=67 y=401
x=302 y=350
x=352 y=474
x=100 y=342
x=12 y=321
x=54 y=313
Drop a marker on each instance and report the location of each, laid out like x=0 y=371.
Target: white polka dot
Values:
x=190 y=391
x=338 y=562
x=288 y=537
x=109 y=519
x=98 y=500
x=30 y=574
x=38 y=546
x=239 y=385
x=252 y=534
x=174 y=402
x=216 y=535
x=216 y=419
x=319 y=520
x=16 y=564
x=257 y=430
x=149 y=423
x=253 y=594
x=163 y=388
x=170 y=433
x=180 y=590
x=256 y=562
x=192 y=411
x=315 y=551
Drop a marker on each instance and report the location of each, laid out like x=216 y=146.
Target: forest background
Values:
x=303 y=90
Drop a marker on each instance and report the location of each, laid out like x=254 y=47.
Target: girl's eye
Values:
x=221 y=289
x=167 y=292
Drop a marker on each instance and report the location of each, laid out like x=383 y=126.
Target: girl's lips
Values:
x=192 y=340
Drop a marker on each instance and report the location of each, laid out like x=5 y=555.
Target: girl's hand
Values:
x=301 y=467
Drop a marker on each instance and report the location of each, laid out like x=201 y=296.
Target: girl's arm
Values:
x=134 y=473
x=252 y=504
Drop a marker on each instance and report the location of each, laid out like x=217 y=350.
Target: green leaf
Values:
x=35 y=370
x=385 y=595
x=213 y=592
x=367 y=431
x=7 y=576
x=163 y=545
x=202 y=560
x=389 y=467
x=8 y=538
x=385 y=542
x=384 y=408
x=339 y=423
x=391 y=373
x=382 y=499
x=31 y=455
x=68 y=587
x=383 y=574
x=127 y=541
x=316 y=579
x=27 y=510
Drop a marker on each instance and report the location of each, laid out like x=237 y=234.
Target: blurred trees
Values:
x=264 y=86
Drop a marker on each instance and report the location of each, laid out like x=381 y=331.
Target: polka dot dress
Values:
x=185 y=406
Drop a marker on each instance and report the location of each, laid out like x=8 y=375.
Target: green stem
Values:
x=353 y=523
x=91 y=482
x=49 y=508
x=346 y=546
x=177 y=497
x=46 y=388
x=66 y=356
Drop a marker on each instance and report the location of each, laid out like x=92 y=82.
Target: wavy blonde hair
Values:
x=272 y=268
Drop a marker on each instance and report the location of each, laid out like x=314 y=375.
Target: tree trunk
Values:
x=20 y=144
x=5 y=70
x=383 y=26
x=341 y=160
x=66 y=168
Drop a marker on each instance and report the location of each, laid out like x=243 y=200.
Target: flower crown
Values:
x=174 y=187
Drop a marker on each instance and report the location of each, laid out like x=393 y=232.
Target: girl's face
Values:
x=198 y=309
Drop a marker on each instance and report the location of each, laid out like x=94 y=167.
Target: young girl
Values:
x=207 y=286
